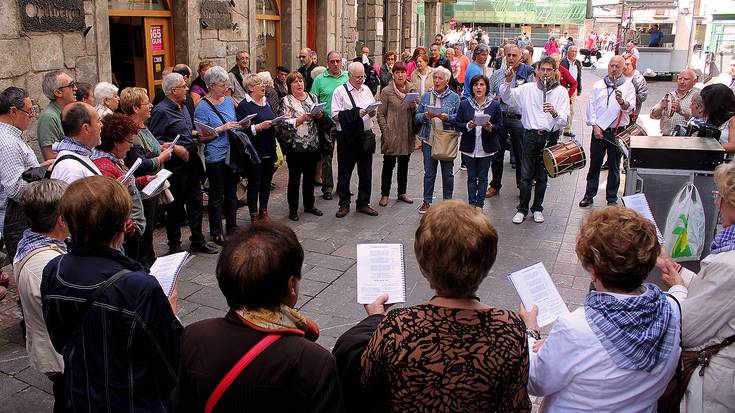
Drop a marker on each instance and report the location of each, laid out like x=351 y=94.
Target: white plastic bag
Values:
x=685 y=225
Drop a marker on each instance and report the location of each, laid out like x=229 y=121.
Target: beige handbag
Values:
x=444 y=143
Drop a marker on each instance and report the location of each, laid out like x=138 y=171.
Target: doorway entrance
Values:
x=268 y=41
x=141 y=46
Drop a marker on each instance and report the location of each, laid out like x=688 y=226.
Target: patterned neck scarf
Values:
x=550 y=84
x=98 y=154
x=282 y=319
x=32 y=241
x=481 y=107
x=634 y=331
x=614 y=84
x=724 y=241
x=443 y=95
x=72 y=145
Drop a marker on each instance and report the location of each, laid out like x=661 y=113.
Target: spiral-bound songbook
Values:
x=166 y=270
x=639 y=204
x=380 y=269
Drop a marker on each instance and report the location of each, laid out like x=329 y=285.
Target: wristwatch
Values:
x=534 y=334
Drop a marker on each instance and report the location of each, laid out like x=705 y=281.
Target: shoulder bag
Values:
x=443 y=142
x=688 y=362
x=241 y=150
x=231 y=375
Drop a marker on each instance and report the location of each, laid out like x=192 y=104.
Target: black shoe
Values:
x=204 y=248
x=585 y=202
x=327 y=196
x=314 y=211
x=569 y=134
x=293 y=216
x=610 y=203
x=232 y=230
x=604 y=167
x=174 y=249
x=219 y=240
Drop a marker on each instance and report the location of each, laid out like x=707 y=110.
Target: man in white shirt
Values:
x=82 y=127
x=608 y=112
x=355 y=139
x=544 y=107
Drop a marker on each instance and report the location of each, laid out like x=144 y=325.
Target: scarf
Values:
x=398 y=92
x=724 y=241
x=614 y=84
x=443 y=95
x=72 y=145
x=98 y=154
x=282 y=318
x=479 y=107
x=634 y=331
x=32 y=241
x=550 y=84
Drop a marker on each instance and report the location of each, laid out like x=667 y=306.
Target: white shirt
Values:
x=363 y=98
x=603 y=109
x=479 y=151
x=573 y=68
x=70 y=170
x=574 y=373
x=528 y=100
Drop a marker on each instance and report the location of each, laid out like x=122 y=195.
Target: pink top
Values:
x=410 y=67
x=551 y=48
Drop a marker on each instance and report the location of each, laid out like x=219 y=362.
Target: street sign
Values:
x=452 y=23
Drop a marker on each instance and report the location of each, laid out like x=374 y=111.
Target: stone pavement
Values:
x=328 y=292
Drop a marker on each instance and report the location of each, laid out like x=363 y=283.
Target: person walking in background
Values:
x=574 y=67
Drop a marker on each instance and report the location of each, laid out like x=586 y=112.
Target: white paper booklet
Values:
x=244 y=121
x=278 y=119
x=639 y=204
x=155 y=185
x=319 y=107
x=129 y=175
x=203 y=129
x=434 y=110
x=409 y=98
x=481 y=119
x=534 y=286
x=380 y=269
x=166 y=270
x=371 y=107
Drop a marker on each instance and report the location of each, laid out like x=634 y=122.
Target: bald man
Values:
x=307 y=65
x=82 y=127
x=611 y=101
x=674 y=108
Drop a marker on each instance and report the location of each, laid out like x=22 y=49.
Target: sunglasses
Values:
x=72 y=84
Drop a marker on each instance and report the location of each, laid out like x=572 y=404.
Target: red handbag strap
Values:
x=237 y=369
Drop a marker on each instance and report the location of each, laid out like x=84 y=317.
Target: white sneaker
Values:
x=538 y=217
x=518 y=217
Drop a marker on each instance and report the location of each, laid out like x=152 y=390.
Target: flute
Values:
x=545 y=89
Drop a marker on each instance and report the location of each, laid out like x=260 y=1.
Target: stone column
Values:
x=369 y=18
x=409 y=25
x=430 y=16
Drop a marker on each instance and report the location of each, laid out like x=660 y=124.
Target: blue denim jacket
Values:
x=449 y=104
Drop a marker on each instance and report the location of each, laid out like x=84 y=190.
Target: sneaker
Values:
x=538 y=217
x=424 y=208
x=519 y=217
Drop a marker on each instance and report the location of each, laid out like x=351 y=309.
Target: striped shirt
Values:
x=17 y=158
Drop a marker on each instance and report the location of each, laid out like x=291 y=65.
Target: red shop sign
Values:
x=156 y=38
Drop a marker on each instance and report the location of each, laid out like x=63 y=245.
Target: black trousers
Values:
x=186 y=187
x=222 y=197
x=598 y=149
x=350 y=155
x=140 y=246
x=15 y=224
x=386 y=176
x=301 y=164
x=259 y=184
x=59 y=390
x=514 y=129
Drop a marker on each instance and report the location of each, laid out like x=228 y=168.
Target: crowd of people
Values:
x=81 y=237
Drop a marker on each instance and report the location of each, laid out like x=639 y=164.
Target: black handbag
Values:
x=241 y=152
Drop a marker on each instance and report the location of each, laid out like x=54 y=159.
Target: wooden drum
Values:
x=564 y=157
x=623 y=138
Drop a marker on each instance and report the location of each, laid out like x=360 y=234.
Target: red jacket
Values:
x=567 y=80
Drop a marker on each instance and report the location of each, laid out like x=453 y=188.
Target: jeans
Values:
x=222 y=197
x=386 y=176
x=513 y=128
x=533 y=168
x=259 y=184
x=598 y=149
x=350 y=155
x=430 y=166
x=186 y=187
x=477 y=169
x=301 y=164
x=326 y=164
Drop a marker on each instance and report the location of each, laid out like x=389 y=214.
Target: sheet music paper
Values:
x=244 y=121
x=203 y=129
x=166 y=270
x=173 y=143
x=534 y=286
x=434 y=110
x=278 y=119
x=409 y=98
x=639 y=204
x=126 y=178
x=380 y=269
x=371 y=107
x=155 y=185
x=319 y=107
x=482 y=119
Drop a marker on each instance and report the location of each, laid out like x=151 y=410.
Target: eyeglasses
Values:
x=335 y=61
x=72 y=84
x=32 y=114
x=181 y=87
x=302 y=57
x=358 y=77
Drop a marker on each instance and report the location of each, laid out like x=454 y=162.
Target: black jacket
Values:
x=371 y=76
x=490 y=140
x=306 y=73
x=565 y=64
x=122 y=353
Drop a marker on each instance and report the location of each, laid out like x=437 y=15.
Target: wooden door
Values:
x=311 y=24
x=158 y=50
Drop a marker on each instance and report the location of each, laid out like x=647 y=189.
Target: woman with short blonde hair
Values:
x=452 y=353
x=707 y=304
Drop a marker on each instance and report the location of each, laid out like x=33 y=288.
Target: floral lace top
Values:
x=302 y=138
x=427 y=358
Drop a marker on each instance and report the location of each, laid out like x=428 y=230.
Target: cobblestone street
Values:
x=328 y=287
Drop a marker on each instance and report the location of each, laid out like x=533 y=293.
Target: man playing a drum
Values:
x=608 y=112
x=544 y=107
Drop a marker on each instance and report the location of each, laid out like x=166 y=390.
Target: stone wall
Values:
x=26 y=57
